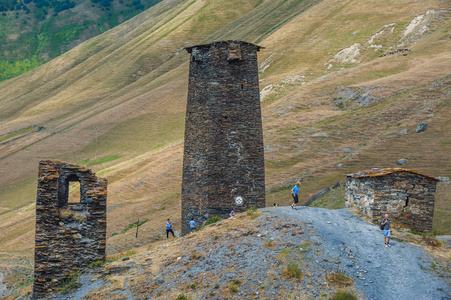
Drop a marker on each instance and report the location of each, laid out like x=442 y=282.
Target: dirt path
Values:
x=402 y=271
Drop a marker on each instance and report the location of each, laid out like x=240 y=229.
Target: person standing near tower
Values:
x=387 y=232
x=294 y=194
x=169 y=229
x=192 y=225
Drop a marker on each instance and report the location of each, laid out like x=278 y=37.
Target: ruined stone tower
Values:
x=223 y=165
x=69 y=236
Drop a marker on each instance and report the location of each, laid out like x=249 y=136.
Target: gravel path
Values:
x=399 y=272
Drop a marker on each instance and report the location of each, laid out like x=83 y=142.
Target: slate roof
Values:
x=376 y=172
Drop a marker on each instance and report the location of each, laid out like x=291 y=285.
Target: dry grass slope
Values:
x=117 y=104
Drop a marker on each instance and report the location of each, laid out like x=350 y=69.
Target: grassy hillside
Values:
x=116 y=104
x=34 y=31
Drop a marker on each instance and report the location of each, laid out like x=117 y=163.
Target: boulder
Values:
x=421 y=127
x=401 y=161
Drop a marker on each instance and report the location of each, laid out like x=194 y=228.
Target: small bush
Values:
x=70 y=283
x=181 y=297
x=418 y=232
x=292 y=271
x=233 y=288
x=344 y=295
x=217 y=286
x=97 y=263
x=212 y=219
x=339 y=279
x=251 y=210
x=236 y=281
x=433 y=242
x=192 y=286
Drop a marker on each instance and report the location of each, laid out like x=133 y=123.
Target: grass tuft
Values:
x=344 y=295
x=292 y=271
x=212 y=219
x=339 y=279
x=233 y=288
x=70 y=283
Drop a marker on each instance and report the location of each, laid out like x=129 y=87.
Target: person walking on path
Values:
x=169 y=229
x=192 y=225
x=294 y=193
x=231 y=214
x=386 y=223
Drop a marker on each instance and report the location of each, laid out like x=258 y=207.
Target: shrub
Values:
x=70 y=283
x=236 y=281
x=97 y=263
x=292 y=271
x=181 y=297
x=212 y=219
x=251 y=210
x=339 y=279
x=344 y=295
x=233 y=288
x=430 y=241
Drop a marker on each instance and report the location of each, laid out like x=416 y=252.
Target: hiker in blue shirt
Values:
x=192 y=225
x=169 y=229
x=386 y=223
x=294 y=193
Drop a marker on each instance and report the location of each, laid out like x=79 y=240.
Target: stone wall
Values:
x=223 y=165
x=69 y=236
x=406 y=196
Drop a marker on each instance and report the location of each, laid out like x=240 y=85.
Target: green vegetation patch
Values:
x=344 y=295
x=101 y=160
x=212 y=219
x=339 y=279
x=130 y=226
x=17 y=133
x=292 y=270
x=70 y=284
x=333 y=199
x=13 y=68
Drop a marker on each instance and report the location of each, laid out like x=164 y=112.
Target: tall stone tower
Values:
x=223 y=164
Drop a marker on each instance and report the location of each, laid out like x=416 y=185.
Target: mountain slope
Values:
x=116 y=103
x=35 y=31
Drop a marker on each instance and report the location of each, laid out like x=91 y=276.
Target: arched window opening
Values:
x=74 y=194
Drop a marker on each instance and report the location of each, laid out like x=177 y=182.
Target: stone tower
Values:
x=69 y=236
x=223 y=164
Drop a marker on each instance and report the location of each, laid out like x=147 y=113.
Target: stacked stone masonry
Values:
x=223 y=165
x=405 y=195
x=69 y=236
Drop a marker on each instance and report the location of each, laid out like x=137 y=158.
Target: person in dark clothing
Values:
x=169 y=229
x=294 y=193
x=386 y=223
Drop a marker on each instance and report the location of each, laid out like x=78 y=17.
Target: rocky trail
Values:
x=248 y=257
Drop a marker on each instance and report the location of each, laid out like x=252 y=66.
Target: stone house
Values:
x=406 y=195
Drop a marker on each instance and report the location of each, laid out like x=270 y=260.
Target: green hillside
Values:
x=34 y=31
x=332 y=104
